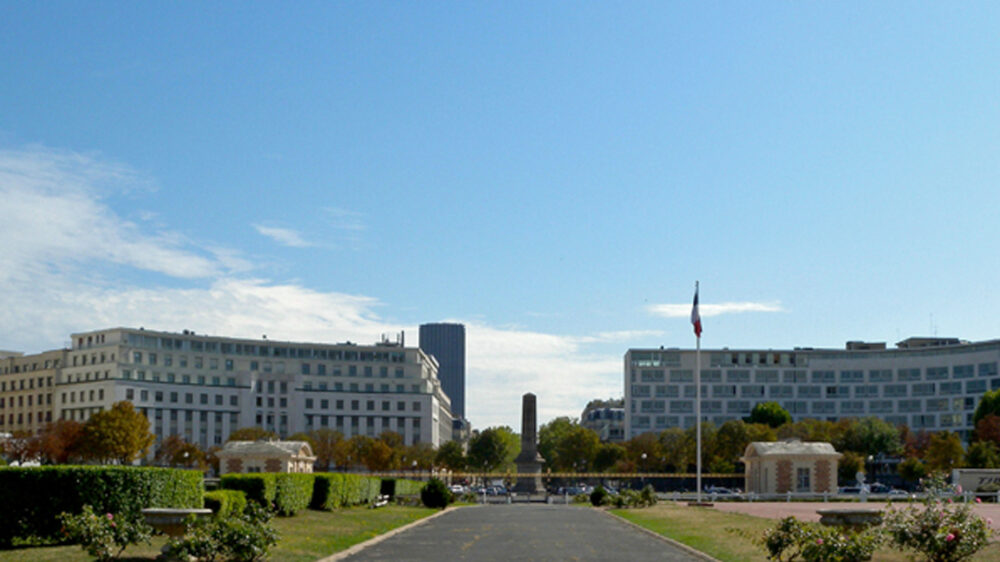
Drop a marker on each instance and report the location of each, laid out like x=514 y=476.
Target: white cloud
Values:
x=283 y=236
x=344 y=219
x=53 y=214
x=60 y=242
x=706 y=310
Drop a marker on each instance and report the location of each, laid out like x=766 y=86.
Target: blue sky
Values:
x=554 y=175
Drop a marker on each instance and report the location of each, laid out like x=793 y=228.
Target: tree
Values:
x=809 y=430
x=169 y=449
x=644 y=452
x=607 y=456
x=988 y=404
x=914 y=444
x=395 y=443
x=252 y=434
x=577 y=449
x=912 y=470
x=20 y=447
x=61 y=441
x=988 y=429
x=451 y=456
x=849 y=466
x=120 y=434
x=769 y=413
x=869 y=437
x=673 y=450
x=549 y=437
x=983 y=454
x=945 y=451
x=324 y=443
x=708 y=432
x=490 y=449
x=423 y=454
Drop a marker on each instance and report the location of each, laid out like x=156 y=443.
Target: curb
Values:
x=668 y=540
x=375 y=540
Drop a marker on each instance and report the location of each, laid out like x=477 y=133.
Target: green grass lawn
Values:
x=725 y=535
x=310 y=535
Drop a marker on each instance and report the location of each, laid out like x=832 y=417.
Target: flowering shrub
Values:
x=104 y=536
x=248 y=536
x=791 y=540
x=941 y=531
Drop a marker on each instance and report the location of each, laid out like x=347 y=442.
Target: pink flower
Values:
x=950 y=537
x=110 y=517
x=819 y=541
x=114 y=525
x=989 y=521
x=958 y=489
x=979 y=500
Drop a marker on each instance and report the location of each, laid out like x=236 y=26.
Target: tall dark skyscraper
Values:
x=446 y=342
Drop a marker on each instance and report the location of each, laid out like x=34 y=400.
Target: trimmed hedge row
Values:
x=226 y=503
x=33 y=497
x=258 y=487
x=333 y=490
x=293 y=492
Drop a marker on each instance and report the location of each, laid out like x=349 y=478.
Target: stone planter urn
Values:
x=172 y=521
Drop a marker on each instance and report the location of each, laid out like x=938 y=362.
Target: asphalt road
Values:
x=523 y=532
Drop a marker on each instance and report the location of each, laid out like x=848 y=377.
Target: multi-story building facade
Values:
x=606 y=418
x=928 y=384
x=204 y=387
x=26 y=387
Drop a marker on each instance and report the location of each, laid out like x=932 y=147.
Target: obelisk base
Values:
x=529 y=478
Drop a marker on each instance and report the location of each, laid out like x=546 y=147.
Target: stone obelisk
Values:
x=529 y=462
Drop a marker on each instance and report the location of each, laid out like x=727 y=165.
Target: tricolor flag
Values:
x=695 y=316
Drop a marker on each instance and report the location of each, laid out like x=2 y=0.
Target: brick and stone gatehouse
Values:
x=790 y=466
x=266 y=456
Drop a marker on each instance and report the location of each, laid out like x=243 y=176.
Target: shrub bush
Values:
x=792 y=540
x=120 y=490
x=258 y=487
x=599 y=496
x=293 y=492
x=393 y=487
x=248 y=536
x=226 y=503
x=435 y=494
x=104 y=536
x=332 y=490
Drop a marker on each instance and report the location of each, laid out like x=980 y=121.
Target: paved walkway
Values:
x=523 y=532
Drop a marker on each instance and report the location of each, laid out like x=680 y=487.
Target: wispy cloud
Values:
x=284 y=236
x=706 y=309
x=344 y=219
x=60 y=240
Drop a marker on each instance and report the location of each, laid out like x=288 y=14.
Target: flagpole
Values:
x=697 y=401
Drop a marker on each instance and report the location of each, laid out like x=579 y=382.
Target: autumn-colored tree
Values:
x=61 y=441
x=256 y=433
x=394 y=441
x=21 y=447
x=422 y=453
x=673 y=449
x=451 y=456
x=988 y=404
x=324 y=443
x=988 y=429
x=945 y=451
x=808 y=430
x=120 y=434
x=914 y=443
x=212 y=459
x=169 y=448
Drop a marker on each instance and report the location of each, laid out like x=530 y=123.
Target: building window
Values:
x=802 y=483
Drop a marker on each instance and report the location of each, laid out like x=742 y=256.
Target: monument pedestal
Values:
x=529 y=462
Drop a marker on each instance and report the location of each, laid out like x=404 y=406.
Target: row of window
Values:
x=204 y=398
x=641 y=424
x=852 y=407
x=894 y=390
x=384 y=405
x=984 y=370
x=21 y=418
x=27 y=368
x=26 y=384
x=156 y=376
x=43 y=399
x=263 y=350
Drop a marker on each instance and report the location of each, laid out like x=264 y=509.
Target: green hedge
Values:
x=333 y=490
x=293 y=492
x=393 y=487
x=258 y=487
x=31 y=498
x=226 y=503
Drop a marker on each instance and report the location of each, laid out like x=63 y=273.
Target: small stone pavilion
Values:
x=790 y=466
x=265 y=456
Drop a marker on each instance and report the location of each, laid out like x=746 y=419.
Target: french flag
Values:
x=695 y=315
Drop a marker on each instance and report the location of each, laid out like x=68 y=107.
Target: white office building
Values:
x=204 y=387
x=928 y=384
